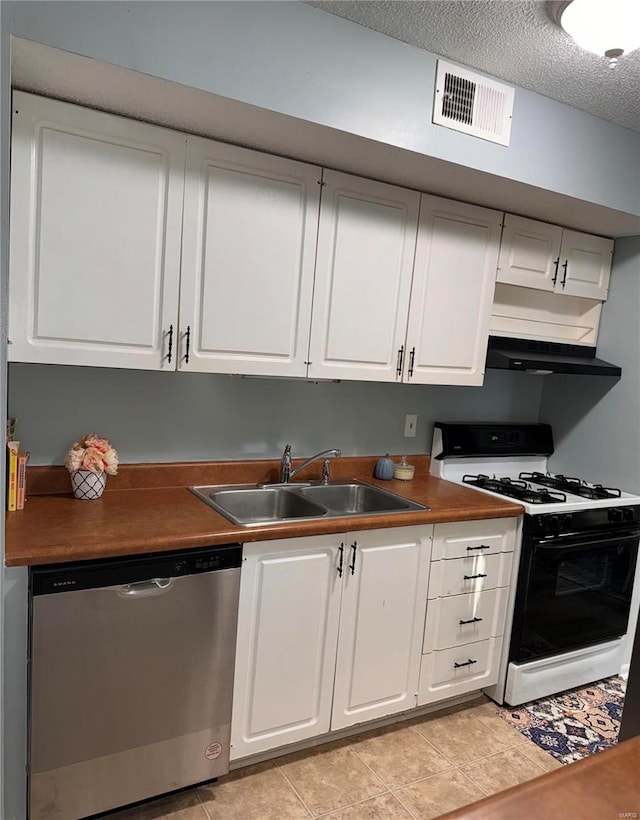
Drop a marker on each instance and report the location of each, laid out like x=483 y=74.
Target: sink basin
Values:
x=252 y=504
x=357 y=499
x=259 y=505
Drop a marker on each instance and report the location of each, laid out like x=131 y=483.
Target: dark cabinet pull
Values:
x=412 y=357
x=188 y=344
x=400 y=357
x=341 y=561
x=170 y=350
x=466 y=663
x=478 y=575
x=564 y=268
x=471 y=621
x=481 y=547
x=555 y=275
x=352 y=565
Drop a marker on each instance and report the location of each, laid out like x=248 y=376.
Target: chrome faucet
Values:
x=286 y=473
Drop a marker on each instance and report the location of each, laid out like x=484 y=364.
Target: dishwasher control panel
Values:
x=55 y=578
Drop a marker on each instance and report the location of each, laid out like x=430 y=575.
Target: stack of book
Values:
x=16 y=470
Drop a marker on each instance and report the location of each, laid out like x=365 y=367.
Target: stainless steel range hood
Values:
x=529 y=356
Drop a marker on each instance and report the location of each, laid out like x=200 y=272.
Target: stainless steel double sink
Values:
x=252 y=504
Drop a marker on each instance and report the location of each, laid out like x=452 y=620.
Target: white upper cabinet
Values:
x=366 y=245
x=546 y=257
x=250 y=223
x=452 y=294
x=96 y=212
x=585 y=263
x=529 y=253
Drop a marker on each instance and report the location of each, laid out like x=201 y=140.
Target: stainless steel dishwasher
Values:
x=131 y=676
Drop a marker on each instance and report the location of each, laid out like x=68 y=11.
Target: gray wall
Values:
x=596 y=421
x=298 y=60
x=191 y=416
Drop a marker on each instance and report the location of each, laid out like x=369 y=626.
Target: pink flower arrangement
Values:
x=92 y=453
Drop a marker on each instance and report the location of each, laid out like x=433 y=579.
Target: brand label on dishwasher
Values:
x=213 y=750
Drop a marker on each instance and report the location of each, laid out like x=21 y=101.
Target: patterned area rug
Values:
x=573 y=724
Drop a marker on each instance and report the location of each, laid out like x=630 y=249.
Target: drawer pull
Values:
x=466 y=663
x=481 y=547
x=471 y=621
x=471 y=577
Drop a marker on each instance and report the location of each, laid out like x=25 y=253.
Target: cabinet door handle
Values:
x=340 y=560
x=412 y=357
x=188 y=344
x=466 y=663
x=555 y=275
x=400 y=358
x=170 y=350
x=477 y=575
x=481 y=547
x=352 y=565
x=471 y=621
x=564 y=268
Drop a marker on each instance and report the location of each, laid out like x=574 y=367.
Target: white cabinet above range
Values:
x=551 y=282
x=547 y=257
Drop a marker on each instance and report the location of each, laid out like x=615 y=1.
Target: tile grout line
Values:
x=202 y=804
x=295 y=791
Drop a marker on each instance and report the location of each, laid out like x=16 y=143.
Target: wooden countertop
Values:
x=605 y=785
x=148 y=508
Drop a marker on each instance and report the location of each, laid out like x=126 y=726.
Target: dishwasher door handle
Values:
x=144 y=589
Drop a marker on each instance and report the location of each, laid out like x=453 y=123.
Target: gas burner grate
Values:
x=515 y=488
x=575 y=486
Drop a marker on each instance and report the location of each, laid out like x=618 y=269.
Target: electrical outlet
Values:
x=410 y=424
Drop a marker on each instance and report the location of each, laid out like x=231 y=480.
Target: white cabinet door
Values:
x=250 y=223
x=96 y=207
x=452 y=294
x=366 y=244
x=546 y=257
x=381 y=624
x=585 y=262
x=286 y=649
x=529 y=253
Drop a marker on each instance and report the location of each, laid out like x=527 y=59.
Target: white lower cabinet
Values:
x=467 y=607
x=381 y=624
x=287 y=637
x=329 y=634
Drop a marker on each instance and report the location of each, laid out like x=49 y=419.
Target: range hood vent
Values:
x=468 y=102
x=543 y=358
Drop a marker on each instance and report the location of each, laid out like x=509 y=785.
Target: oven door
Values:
x=573 y=591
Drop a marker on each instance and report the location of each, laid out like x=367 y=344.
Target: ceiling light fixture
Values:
x=609 y=29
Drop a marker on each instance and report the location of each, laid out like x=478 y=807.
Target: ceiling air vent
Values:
x=473 y=104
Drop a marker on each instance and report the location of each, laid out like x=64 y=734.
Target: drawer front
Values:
x=469 y=538
x=448 y=672
x=470 y=574
x=463 y=619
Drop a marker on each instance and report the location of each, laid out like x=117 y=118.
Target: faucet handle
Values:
x=325 y=471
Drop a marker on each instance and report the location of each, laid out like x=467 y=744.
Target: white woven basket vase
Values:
x=87 y=485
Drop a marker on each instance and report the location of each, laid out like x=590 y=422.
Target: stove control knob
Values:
x=553 y=523
x=566 y=522
x=629 y=513
x=615 y=514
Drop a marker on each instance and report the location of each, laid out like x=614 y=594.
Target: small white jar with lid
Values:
x=403 y=470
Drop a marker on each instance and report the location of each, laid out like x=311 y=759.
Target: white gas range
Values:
x=573 y=580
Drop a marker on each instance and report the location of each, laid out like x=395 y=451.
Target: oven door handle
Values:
x=581 y=542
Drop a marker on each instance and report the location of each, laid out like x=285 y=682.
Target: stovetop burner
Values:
x=575 y=486
x=515 y=488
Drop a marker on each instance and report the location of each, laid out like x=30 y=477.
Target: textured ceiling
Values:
x=514 y=40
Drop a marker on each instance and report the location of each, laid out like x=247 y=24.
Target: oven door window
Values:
x=577 y=593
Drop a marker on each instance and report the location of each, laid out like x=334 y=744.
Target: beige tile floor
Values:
x=418 y=769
